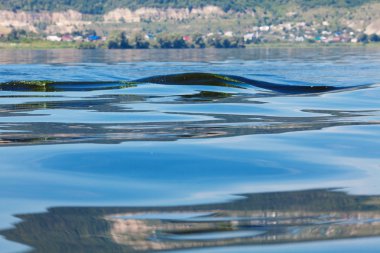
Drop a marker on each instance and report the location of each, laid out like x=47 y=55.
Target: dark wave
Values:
x=206 y=79
x=235 y=81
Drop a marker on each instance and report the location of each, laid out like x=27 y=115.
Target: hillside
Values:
x=103 y=6
x=210 y=23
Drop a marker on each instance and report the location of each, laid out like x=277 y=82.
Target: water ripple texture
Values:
x=247 y=150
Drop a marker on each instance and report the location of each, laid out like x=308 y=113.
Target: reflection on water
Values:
x=253 y=219
x=197 y=112
x=269 y=120
x=204 y=55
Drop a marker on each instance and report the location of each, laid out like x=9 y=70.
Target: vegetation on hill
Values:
x=245 y=22
x=119 y=40
x=102 y=6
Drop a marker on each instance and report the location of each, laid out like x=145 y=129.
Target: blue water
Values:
x=171 y=147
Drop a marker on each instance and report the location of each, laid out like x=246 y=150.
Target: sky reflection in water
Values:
x=157 y=145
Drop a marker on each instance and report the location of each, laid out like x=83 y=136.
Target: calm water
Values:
x=277 y=151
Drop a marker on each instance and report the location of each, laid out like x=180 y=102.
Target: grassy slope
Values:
x=102 y=6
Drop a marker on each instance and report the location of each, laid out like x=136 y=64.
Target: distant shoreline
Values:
x=44 y=45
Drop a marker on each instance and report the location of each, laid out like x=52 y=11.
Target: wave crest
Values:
x=204 y=79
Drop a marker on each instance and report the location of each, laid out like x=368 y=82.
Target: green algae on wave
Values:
x=210 y=79
x=35 y=85
x=204 y=79
x=51 y=86
x=207 y=79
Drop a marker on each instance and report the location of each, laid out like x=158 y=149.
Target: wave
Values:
x=205 y=79
x=236 y=82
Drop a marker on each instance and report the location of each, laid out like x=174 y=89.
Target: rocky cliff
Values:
x=365 y=18
x=154 y=14
x=66 y=21
x=71 y=20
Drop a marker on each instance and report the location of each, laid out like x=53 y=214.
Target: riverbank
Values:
x=40 y=44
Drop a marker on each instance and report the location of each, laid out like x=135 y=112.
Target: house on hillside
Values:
x=67 y=38
x=78 y=38
x=94 y=38
x=149 y=36
x=53 y=38
x=229 y=34
x=248 y=37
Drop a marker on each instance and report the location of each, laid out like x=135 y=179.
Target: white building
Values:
x=78 y=38
x=248 y=36
x=264 y=28
x=229 y=34
x=53 y=38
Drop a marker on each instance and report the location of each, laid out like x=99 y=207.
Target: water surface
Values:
x=106 y=158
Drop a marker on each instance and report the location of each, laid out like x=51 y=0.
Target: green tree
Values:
x=171 y=41
x=102 y=6
x=124 y=43
x=199 y=41
x=374 y=38
x=112 y=44
x=363 y=38
x=118 y=40
x=225 y=42
x=141 y=42
x=16 y=35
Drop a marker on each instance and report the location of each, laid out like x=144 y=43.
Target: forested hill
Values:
x=103 y=6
